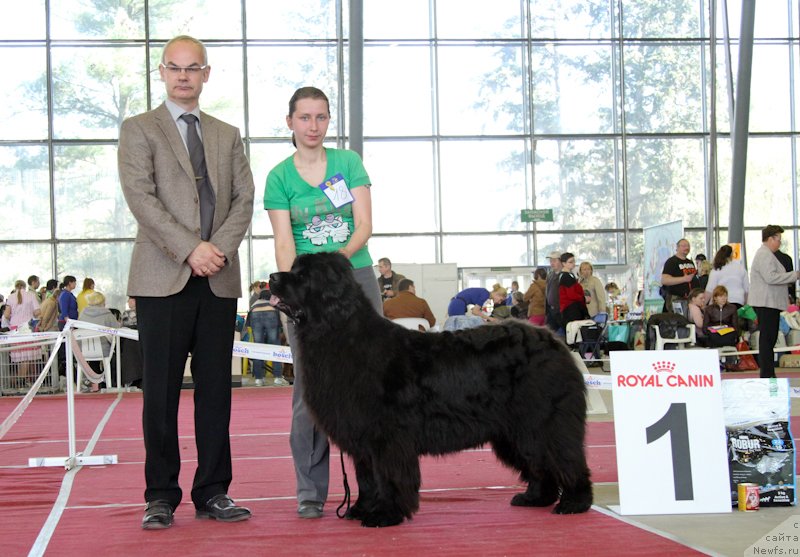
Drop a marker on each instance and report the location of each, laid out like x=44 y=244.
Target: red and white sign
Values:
x=670 y=432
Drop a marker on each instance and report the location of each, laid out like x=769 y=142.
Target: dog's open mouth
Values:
x=280 y=305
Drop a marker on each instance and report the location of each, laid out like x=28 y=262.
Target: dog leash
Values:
x=346 y=500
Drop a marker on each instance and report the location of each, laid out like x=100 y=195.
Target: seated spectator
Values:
x=407 y=304
x=97 y=313
x=129 y=315
x=519 y=310
x=535 y=297
x=696 y=305
x=719 y=318
x=571 y=298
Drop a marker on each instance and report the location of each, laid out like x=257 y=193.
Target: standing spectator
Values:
x=33 y=287
x=552 y=307
x=88 y=288
x=535 y=296
x=593 y=290
x=729 y=273
x=769 y=295
x=189 y=186
x=679 y=275
x=48 y=320
x=514 y=289
x=698 y=260
x=5 y=315
x=388 y=280
x=128 y=318
x=571 y=298
x=23 y=306
x=266 y=324
x=255 y=290
x=408 y=304
x=341 y=222
x=786 y=261
x=703 y=272
x=68 y=305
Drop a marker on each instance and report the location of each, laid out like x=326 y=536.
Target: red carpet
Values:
x=464 y=508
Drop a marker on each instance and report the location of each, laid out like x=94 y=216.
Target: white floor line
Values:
x=655 y=531
x=49 y=526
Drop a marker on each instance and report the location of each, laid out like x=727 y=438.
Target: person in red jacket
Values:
x=572 y=300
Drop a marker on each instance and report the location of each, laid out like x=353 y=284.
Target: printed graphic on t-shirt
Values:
x=318 y=231
x=687 y=268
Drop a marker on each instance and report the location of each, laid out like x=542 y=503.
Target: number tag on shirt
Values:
x=337 y=191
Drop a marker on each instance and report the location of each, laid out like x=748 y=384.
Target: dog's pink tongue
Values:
x=273 y=300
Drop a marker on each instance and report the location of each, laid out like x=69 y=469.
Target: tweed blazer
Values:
x=159 y=186
x=769 y=281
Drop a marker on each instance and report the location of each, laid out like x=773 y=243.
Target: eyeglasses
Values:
x=190 y=70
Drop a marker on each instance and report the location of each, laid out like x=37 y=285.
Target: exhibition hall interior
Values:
x=497 y=136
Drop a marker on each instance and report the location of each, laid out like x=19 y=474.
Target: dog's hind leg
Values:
x=572 y=473
x=565 y=456
x=397 y=481
x=542 y=487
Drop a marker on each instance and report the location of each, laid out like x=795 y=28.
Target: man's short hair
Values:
x=384 y=261
x=769 y=231
x=187 y=39
x=404 y=284
x=32 y=279
x=52 y=284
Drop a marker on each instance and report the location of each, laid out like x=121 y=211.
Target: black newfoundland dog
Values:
x=386 y=394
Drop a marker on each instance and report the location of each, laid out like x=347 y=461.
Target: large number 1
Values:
x=676 y=424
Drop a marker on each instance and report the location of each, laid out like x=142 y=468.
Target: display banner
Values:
x=670 y=432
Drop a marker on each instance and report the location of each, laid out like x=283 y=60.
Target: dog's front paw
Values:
x=354 y=513
x=381 y=519
x=571 y=507
x=538 y=494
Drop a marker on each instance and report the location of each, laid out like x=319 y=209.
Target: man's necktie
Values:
x=204 y=191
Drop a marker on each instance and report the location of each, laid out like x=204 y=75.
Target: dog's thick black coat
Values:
x=386 y=394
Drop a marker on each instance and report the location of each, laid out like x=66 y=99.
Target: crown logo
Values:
x=668 y=367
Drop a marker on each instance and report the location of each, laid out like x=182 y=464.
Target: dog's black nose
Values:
x=274 y=280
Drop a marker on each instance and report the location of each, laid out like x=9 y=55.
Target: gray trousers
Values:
x=309 y=445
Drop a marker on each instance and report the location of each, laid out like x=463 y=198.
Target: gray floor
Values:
x=733 y=533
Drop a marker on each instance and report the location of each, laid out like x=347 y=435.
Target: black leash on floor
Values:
x=346 y=490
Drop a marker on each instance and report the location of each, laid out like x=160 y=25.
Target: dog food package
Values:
x=760 y=447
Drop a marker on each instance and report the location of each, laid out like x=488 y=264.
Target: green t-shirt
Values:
x=318 y=226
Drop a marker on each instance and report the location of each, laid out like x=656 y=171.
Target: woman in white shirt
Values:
x=731 y=274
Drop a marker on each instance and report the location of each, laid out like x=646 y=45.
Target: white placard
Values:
x=670 y=432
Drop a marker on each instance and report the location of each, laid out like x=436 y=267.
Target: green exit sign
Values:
x=536 y=215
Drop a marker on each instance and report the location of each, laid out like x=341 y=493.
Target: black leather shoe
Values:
x=157 y=515
x=222 y=508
